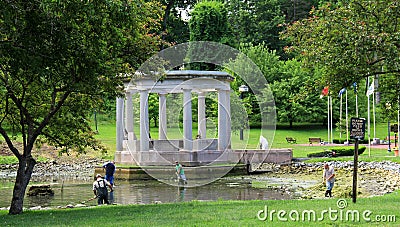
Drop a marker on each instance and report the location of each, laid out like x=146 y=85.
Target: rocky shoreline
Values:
x=374 y=178
x=78 y=169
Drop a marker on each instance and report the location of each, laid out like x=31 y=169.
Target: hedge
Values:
x=341 y=141
x=339 y=151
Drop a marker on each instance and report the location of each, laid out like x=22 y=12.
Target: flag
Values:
x=324 y=92
x=342 y=91
x=355 y=87
x=371 y=89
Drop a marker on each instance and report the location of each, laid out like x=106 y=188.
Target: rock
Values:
x=36 y=208
x=40 y=190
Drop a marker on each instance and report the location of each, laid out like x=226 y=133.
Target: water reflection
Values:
x=146 y=192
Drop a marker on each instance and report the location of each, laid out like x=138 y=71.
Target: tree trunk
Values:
x=24 y=174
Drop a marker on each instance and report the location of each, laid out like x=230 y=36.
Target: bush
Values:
x=339 y=151
x=341 y=141
x=319 y=154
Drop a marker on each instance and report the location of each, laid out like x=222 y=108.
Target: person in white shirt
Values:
x=100 y=190
x=329 y=178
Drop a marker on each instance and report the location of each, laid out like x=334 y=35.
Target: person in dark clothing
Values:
x=110 y=170
x=100 y=190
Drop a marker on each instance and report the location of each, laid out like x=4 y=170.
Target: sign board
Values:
x=357 y=128
x=393 y=128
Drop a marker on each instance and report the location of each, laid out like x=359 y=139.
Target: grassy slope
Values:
x=220 y=213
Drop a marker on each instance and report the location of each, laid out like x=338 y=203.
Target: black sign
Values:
x=357 y=128
x=393 y=128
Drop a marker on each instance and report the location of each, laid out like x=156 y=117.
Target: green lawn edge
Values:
x=217 y=213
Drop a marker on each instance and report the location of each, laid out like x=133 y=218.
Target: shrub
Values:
x=341 y=141
x=339 y=151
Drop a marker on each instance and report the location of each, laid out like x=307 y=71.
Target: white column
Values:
x=228 y=112
x=222 y=121
x=187 y=120
x=162 y=116
x=144 y=121
x=201 y=115
x=129 y=116
x=120 y=123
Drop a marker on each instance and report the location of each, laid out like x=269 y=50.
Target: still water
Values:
x=144 y=192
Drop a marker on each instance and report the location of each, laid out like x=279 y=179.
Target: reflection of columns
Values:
x=162 y=116
x=129 y=116
x=187 y=119
x=201 y=113
x=120 y=123
x=228 y=123
x=222 y=120
x=144 y=120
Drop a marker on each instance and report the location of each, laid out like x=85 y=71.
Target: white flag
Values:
x=371 y=89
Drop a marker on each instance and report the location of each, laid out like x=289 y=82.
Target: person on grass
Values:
x=329 y=178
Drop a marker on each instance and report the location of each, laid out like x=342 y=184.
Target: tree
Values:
x=57 y=59
x=351 y=40
x=257 y=22
x=175 y=28
x=208 y=23
x=267 y=62
x=297 y=9
x=295 y=95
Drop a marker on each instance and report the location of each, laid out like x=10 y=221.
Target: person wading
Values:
x=180 y=172
x=329 y=177
x=100 y=190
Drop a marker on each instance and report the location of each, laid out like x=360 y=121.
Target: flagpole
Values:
x=373 y=113
x=356 y=105
x=369 y=128
x=330 y=97
x=340 y=118
x=328 y=121
x=347 y=122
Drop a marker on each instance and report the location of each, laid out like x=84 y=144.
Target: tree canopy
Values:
x=351 y=40
x=58 y=59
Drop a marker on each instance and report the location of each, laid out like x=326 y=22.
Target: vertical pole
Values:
x=373 y=114
x=222 y=121
x=340 y=118
x=95 y=120
x=129 y=116
x=330 y=97
x=369 y=129
x=144 y=121
x=120 y=124
x=389 y=150
x=356 y=105
x=187 y=120
x=201 y=116
x=347 y=122
x=241 y=127
x=162 y=116
x=329 y=121
x=354 y=195
x=398 y=115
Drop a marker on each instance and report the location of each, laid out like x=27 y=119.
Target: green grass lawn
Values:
x=223 y=213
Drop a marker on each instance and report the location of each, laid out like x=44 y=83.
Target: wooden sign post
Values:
x=357 y=132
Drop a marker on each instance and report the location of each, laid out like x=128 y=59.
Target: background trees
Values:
x=58 y=59
x=352 y=40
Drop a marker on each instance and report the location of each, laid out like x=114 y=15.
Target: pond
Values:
x=150 y=191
